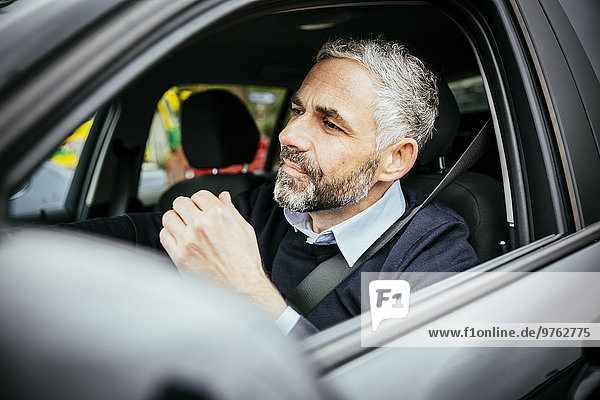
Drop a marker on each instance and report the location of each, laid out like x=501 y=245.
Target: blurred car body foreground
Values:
x=82 y=317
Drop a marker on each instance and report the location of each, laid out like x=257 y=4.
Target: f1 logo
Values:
x=389 y=299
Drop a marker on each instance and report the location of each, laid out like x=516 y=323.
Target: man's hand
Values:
x=206 y=235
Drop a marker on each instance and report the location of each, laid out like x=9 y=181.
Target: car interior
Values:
x=271 y=50
x=192 y=95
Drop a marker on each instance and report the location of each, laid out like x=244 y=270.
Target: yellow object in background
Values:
x=67 y=155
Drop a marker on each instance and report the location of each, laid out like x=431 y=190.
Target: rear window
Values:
x=470 y=94
x=164 y=161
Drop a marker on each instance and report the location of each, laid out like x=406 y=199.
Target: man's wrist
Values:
x=266 y=295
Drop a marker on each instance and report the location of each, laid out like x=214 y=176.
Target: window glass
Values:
x=470 y=94
x=164 y=161
x=45 y=192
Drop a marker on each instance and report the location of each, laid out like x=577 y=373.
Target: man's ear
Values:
x=398 y=159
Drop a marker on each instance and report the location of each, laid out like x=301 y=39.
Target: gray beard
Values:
x=316 y=192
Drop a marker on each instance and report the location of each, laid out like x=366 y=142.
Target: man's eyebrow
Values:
x=331 y=113
x=328 y=112
x=296 y=100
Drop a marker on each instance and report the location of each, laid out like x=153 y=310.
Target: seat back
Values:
x=216 y=131
x=476 y=197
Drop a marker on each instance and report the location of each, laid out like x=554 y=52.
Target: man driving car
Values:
x=358 y=121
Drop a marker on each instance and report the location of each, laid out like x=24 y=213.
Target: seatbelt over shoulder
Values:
x=332 y=272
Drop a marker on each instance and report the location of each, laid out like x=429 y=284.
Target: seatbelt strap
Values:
x=332 y=272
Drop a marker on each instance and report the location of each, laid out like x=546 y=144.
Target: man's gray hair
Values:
x=406 y=102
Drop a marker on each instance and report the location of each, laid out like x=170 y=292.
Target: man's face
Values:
x=328 y=147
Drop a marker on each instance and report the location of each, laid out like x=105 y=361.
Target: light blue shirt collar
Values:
x=356 y=234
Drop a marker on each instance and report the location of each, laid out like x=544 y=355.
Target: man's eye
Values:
x=296 y=111
x=331 y=125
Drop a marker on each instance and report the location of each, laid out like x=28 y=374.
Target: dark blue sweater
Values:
x=435 y=240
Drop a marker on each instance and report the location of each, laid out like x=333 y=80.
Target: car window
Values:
x=531 y=155
x=469 y=94
x=164 y=161
x=43 y=197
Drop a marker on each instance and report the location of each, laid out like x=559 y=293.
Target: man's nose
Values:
x=295 y=135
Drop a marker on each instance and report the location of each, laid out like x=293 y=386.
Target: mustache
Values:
x=302 y=160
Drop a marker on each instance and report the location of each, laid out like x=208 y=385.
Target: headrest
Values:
x=444 y=129
x=217 y=130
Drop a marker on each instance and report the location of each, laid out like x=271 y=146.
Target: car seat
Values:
x=478 y=198
x=216 y=131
